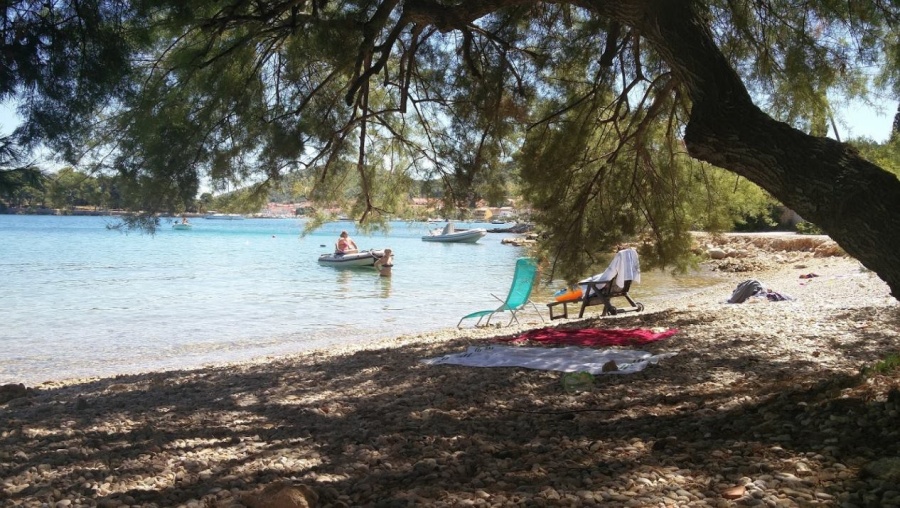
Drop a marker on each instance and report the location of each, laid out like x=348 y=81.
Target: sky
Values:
x=861 y=120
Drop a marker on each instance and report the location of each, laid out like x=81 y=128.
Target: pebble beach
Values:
x=780 y=404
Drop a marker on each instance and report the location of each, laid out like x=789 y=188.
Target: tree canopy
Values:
x=613 y=113
x=15 y=174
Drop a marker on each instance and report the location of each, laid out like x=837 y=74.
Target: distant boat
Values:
x=361 y=258
x=182 y=226
x=225 y=216
x=452 y=235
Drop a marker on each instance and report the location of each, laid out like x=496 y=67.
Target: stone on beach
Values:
x=282 y=495
x=12 y=391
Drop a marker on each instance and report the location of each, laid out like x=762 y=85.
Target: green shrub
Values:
x=890 y=364
x=808 y=228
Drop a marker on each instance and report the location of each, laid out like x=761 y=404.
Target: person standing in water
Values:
x=385 y=263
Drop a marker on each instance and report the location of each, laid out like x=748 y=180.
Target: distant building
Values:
x=504 y=213
x=286 y=209
x=425 y=203
x=482 y=214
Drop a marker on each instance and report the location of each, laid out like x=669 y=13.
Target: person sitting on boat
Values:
x=184 y=219
x=345 y=244
x=385 y=263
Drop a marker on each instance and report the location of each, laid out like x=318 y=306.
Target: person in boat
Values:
x=184 y=219
x=385 y=263
x=345 y=244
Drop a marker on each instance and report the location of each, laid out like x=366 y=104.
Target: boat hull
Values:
x=362 y=258
x=224 y=216
x=465 y=236
x=182 y=227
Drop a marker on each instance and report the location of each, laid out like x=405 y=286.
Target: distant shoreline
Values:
x=59 y=212
x=518 y=227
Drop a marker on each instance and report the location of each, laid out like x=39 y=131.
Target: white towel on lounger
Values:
x=624 y=266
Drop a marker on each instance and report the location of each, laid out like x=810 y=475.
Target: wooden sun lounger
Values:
x=601 y=296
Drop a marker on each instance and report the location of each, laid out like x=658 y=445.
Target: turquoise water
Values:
x=80 y=300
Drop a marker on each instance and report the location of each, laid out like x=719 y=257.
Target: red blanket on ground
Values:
x=592 y=336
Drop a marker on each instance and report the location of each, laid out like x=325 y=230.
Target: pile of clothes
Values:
x=754 y=289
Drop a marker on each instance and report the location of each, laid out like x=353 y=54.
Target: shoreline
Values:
x=762 y=404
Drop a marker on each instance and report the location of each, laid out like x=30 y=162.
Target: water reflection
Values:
x=660 y=284
x=383 y=286
x=344 y=281
x=656 y=284
x=344 y=277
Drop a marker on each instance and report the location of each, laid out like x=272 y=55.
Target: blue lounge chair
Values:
x=522 y=284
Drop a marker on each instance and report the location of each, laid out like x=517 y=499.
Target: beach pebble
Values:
x=717 y=253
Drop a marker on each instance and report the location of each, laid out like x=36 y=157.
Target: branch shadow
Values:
x=379 y=428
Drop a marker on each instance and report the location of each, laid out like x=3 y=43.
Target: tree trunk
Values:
x=826 y=182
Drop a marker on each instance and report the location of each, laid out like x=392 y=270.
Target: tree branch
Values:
x=612 y=38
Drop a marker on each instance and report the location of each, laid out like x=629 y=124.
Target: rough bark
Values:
x=826 y=182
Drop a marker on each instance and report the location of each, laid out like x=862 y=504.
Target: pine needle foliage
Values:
x=590 y=108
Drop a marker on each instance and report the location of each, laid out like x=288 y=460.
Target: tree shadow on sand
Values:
x=379 y=428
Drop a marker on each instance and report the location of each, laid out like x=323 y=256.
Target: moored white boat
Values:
x=225 y=216
x=361 y=258
x=452 y=235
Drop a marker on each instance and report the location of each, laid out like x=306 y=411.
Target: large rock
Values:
x=716 y=253
x=887 y=469
x=13 y=391
x=829 y=249
x=282 y=495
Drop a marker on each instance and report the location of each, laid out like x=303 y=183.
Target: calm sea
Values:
x=80 y=300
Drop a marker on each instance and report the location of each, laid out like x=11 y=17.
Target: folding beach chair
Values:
x=519 y=293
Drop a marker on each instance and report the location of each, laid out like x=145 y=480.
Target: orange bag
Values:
x=570 y=295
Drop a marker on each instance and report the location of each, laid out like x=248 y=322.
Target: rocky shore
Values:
x=779 y=404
